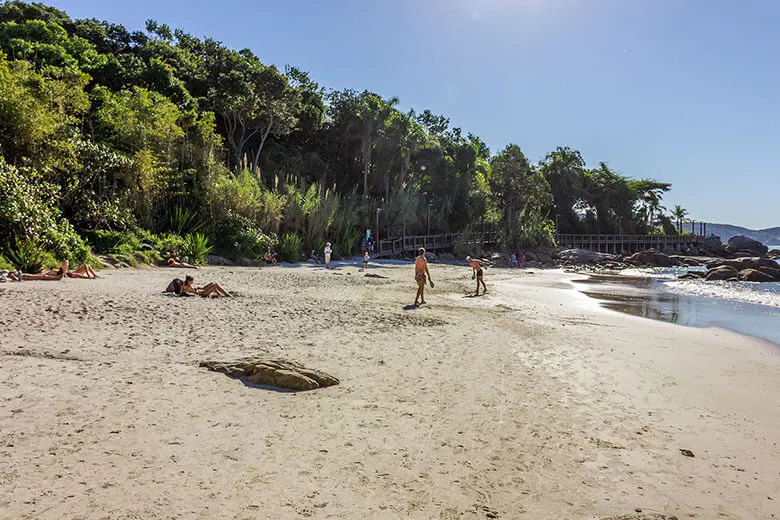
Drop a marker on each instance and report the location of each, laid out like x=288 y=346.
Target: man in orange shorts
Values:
x=476 y=269
x=421 y=275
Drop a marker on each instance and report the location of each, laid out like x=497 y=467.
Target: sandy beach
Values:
x=529 y=402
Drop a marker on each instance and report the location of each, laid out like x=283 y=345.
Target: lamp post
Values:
x=378 y=239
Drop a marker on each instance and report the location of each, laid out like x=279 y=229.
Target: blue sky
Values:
x=685 y=91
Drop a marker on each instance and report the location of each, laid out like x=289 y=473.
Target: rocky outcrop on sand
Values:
x=744 y=263
x=652 y=258
x=741 y=245
x=774 y=254
x=276 y=372
x=754 y=275
x=723 y=272
x=579 y=256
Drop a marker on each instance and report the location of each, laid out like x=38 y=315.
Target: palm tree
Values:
x=679 y=213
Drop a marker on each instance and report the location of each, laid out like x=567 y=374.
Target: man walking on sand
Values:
x=476 y=270
x=421 y=275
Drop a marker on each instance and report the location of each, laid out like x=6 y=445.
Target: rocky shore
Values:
x=741 y=259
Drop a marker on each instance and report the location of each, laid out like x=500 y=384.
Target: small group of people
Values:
x=84 y=272
x=172 y=260
x=422 y=276
x=186 y=287
x=517 y=259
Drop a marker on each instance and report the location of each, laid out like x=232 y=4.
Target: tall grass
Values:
x=196 y=247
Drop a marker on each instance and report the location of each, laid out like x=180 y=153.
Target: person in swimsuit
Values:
x=85 y=271
x=174 y=262
x=207 y=290
x=476 y=269
x=421 y=275
x=51 y=275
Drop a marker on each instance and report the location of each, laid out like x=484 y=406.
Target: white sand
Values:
x=529 y=402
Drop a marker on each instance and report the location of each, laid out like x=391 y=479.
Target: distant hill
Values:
x=769 y=236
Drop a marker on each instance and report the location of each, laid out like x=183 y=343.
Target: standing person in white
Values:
x=328 y=252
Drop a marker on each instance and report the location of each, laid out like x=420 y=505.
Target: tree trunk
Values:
x=256 y=158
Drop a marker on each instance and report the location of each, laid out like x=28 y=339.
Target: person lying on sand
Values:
x=85 y=271
x=476 y=272
x=50 y=276
x=186 y=288
x=174 y=262
x=421 y=275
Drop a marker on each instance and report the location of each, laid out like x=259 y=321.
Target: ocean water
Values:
x=748 y=292
x=749 y=308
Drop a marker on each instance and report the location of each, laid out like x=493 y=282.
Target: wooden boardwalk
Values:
x=627 y=243
x=440 y=242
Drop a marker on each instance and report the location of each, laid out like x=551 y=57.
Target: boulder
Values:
x=686 y=260
x=276 y=372
x=723 y=272
x=693 y=275
x=579 y=256
x=771 y=271
x=652 y=258
x=743 y=245
x=744 y=263
x=774 y=254
x=217 y=260
x=713 y=244
x=754 y=275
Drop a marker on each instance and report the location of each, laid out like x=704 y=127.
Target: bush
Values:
x=5 y=264
x=253 y=243
x=290 y=250
x=182 y=221
x=30 y=257
x=27 y=212
x=196 y=247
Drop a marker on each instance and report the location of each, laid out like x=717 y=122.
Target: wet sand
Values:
x=529 y=402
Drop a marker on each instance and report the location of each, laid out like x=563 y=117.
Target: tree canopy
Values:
x=106 y=130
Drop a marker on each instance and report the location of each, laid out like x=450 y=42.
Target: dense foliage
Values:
x=159 y=134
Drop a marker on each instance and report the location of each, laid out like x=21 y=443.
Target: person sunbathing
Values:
x=269 y=258
x=85 y=271
x=174 y=262
x=50 y=276
x=186 y=288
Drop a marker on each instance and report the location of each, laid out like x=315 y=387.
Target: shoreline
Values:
x=522 y=403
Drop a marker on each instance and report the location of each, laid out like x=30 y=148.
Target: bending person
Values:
x=476 y=269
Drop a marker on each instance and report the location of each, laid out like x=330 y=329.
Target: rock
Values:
x=578 y=256
x=687 y=453
x=724 y=272
x=686 y=260
x=217 y=260
x=771 y=271
x=754 y=275
x=692 y=275
x=744 y=263
x=278 y=373
x=774 y=254
x=741 y=244
x=431 y=256
x=652 y=258
x=534 y=264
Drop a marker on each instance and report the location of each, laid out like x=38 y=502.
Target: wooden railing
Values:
x=614 y=242
x=400 y=245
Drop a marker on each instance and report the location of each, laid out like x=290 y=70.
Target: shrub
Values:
x=28 y=212
x=196 y=247
x=290 y=250
x=182 y=221
x=28 y=256
x=5 y=264
x=254 y=243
